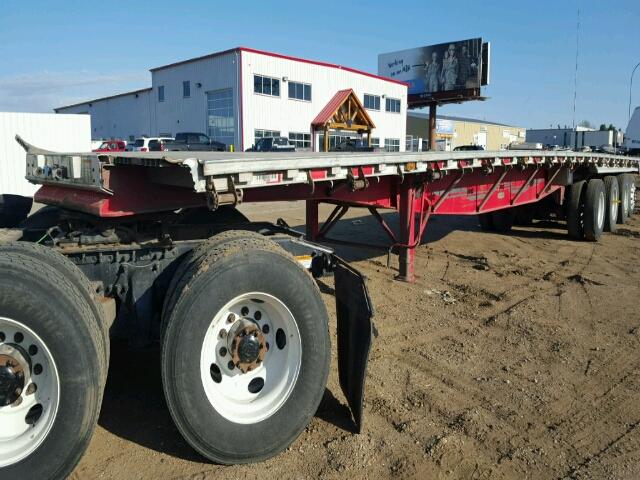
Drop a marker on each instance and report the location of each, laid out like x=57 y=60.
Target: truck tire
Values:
x=73 y=274
x=575 y=209
x=632 y=195
x=502 y=220
x=612 y=192
x=485 y=220
x=13 y=210
x=248 y=309
x=188 y=260
x=52 y=369
x=594 y=209
x=624 y=186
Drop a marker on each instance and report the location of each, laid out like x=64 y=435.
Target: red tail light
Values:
x=163 y=148
x=144 y=149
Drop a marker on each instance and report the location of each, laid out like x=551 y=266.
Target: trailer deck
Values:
x=124 y=184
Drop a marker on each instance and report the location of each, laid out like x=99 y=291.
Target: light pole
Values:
x=631 y=85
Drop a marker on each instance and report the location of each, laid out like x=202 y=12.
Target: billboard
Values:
x=451 y=71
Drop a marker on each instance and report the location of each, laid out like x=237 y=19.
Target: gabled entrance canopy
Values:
x=343 y=112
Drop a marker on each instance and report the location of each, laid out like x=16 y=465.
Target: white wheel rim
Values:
x=228 y=390
x=613 y=208
x=601 y=210
x=632 y=197
x=18 y=438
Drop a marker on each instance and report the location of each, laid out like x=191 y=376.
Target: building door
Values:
x=220 y=116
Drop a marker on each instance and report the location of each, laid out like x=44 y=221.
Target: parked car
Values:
x=272 y=144
x=112 y=146
x=159 y=144
x=468 y=148
x=352 y=145
x=142 y=144
x=193 y=142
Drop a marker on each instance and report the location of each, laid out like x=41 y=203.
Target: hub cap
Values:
x=29 y=391
x=250 y=358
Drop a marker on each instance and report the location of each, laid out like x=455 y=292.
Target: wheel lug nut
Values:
x=223 y=351
x=231 y=318
x=223 y=333
x=31 y=389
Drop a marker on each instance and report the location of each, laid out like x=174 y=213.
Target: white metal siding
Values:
x=63 y=133
x=178 y=114
x=120 y=117
x=286 y=115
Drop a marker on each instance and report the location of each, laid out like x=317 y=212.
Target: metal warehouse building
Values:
x=452 y=132
x=240 y=95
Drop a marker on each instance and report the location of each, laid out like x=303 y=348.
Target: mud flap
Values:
x=354 y=312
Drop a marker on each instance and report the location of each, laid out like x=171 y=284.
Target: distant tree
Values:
x=585 y=124
x=558 y=126
x=611 y=127
x=603 y=127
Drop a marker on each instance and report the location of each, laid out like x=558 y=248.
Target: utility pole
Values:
x=630 y=86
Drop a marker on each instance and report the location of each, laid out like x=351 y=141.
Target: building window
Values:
x=266 y=85
x=220 y=117
x=161 y=93
x=392 y=145
x=186 y=89
x=265 y=134
x=392 y=105
x=300 y=140
x=371 y=102
x=300 y=91
x=375 y=142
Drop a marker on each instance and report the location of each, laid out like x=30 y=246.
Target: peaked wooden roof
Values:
x=345 y=111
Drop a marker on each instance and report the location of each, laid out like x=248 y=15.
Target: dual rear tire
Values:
x=598 y=205
x=245 y=349
x=53 y=363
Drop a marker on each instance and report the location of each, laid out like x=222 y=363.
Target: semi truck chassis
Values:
x=149 y=247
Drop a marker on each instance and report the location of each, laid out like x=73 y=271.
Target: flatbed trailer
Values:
x=149 y=246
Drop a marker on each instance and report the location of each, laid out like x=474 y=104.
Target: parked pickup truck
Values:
x=195 y=142
x=352 y=145
x=272 y=144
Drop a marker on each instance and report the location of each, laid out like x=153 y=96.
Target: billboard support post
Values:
x=432 y=126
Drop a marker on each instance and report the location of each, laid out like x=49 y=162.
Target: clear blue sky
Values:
x=77 y=50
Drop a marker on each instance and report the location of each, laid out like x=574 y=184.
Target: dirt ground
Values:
x=512 y=356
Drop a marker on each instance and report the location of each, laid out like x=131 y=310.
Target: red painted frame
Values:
x=460 y=192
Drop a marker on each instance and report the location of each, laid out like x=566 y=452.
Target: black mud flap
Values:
x=355 y=312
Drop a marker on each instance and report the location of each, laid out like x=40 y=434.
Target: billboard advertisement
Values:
x=447 y=71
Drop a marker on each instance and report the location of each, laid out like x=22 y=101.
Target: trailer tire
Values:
x=624 y=186
x=612 y=192
x=50 y=336
x=502 y=220
x=575 y=209
x=632 y=195
x=74 y=275
x=485 y=220
x=252 y=418
x=594 y=209
x=186 y=263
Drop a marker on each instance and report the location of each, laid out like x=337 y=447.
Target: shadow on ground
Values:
x=133 y=407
